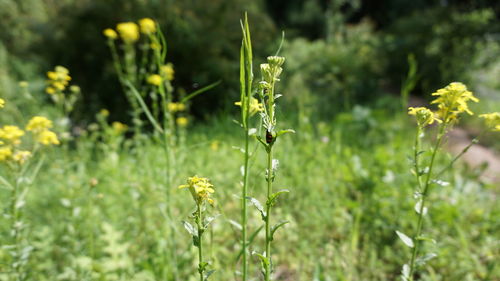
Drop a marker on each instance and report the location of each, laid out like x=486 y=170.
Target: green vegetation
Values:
x=360 y=192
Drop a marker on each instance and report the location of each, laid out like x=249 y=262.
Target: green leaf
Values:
x=272 y=199
x=190 y=228
x=259 y=207
x=210 y=272
x=287 y=131
x=251 y=238
x=424 y=259
x=200 y=91
x=405 y=272
x=5 y=184
x=209 y=220
x=407 y=240
x=276 y=227
x=263 y=260
x=144 y=106
x=426 y=239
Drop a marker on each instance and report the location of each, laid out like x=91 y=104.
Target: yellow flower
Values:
x=128 y=31
x=5 y=153
x=154 y=79
x=176 y=106
x=200 y=189
x=167 y=71
x=492 y=120
x=423 y=115
x=182 y=121
x=110 y=33
x=104 y=112
x=50 y=90
x=2 y=103
x=21 y=156
x=452 y=100
x=11 y=133
x=119 y=128
x=254 y=105
x=38 y=123
x=52 y=75
x=147 y=25
x=47 y=137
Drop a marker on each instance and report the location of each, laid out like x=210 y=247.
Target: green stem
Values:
x=422 y=205
x=244 y=206
x=268 y=212
x=199 y=222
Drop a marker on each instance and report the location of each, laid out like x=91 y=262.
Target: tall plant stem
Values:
x=427 y=182
x=268 y=212
x=244 y=206
x=199 y=222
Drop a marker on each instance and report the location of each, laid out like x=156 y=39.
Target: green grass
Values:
x=350 y=190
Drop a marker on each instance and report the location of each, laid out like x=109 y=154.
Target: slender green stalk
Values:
x=268 y=212
x=246 y=79
x=424 y=194
x=199 y=222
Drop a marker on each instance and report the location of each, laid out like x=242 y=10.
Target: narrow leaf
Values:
x=276 y=227
x=407 y=240
x=200 y=91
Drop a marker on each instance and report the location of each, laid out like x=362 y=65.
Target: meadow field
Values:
x=132 y=154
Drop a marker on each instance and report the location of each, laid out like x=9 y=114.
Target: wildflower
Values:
x=492 y=120
x=255 y=106
x=2 y=103
x=182 y=121
x=47 y=137
x=5 y=153
x=74 y=89
x=167 y=71
x=452 y=100
x=21 y=156
x=176 y=106
x=11 y=133
x=110 y=33
x=147 y=25
x=119 y=127
x=38 y=124
x=50 y=90
x=200 y=189
x=128 y=31
x=104 y=112
x=154 y=79
x=214 y=146
x=423 y=115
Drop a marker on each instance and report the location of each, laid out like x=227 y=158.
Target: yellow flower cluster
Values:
x=12 y=137
x=110 y=33
x=11 y=134
x=200 y=189
x=2 y=103
x=423 y=115
x=154 y=79
x=255 y=106
x=147 y=25
x=167 y=71
x=182 y=121
x=129 y=31
x=176 y=107
x=40 y=126
x=492 y=120
x=452 y=100
x=119 y=128
x=58 y=80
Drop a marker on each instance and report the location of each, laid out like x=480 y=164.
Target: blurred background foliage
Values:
x=339 y=53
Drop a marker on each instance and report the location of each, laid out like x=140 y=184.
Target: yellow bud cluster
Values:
x=40 y=126
x=423 y=115
x=492 y=120
x=167 y=71
x=154 y=79
x=58 y=80
x=200 y=188
x=176 y=107
x=129 y=31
